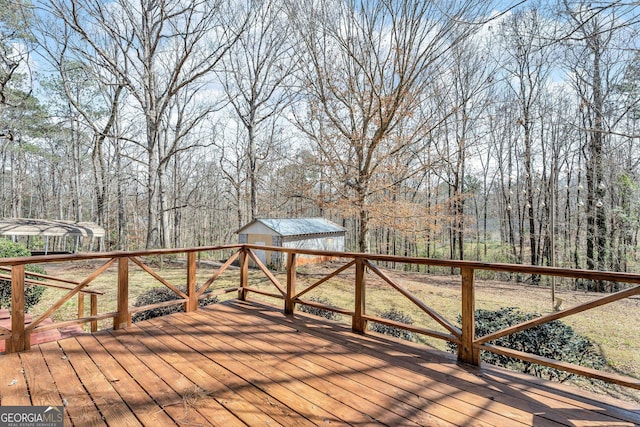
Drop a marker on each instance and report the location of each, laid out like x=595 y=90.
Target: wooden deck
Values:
x=248 y=364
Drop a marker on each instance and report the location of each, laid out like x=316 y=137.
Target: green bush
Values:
x=32 y=294
x=320 y=312
x=162 y=294
x=554 y=340
x=396 y=316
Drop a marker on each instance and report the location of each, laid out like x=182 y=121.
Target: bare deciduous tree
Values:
x=369 y=65
x=156 y=50
x=254 y=76
x=527 y=64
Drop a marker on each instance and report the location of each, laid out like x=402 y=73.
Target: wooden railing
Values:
x=469 y=346
x=37 y=279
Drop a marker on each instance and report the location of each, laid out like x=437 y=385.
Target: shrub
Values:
x=162 y=294
x=554 y=340
x=320 y=312
x=32 y=294
x=396 y=316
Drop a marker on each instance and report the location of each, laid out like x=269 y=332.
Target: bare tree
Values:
x=462 y=101
x=160 y=48
x=527 y=64
x=254 y=76
x=369 y=65
x=592 y=37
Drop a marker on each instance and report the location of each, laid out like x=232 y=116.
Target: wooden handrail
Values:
x=53 y=285
x=69 y=295
x=86 y=256
x=469 y=346
x=42 y=276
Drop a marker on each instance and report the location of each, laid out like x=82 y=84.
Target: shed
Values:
x=80 y=232
x=299 y=233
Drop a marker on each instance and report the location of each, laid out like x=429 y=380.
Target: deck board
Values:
x=380 y=400
x=13 y=385
x=110 y=404
x=547 y=405
x=170 y=345
x=339 y=398
x=407 y=397
x=255 y=367
x=153 y=384
x=164 y=383
x=148 y=412
x=247 y=364
x=70 y=388
x=238 y=386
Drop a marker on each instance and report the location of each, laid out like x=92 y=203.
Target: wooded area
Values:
x=496 y=131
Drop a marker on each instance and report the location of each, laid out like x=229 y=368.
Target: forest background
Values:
x=495 y=131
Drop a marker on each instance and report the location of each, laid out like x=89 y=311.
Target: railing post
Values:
x=192 y=304
x=94 y=312
x=289 y=304
x=81 y=305
x=244 y=274
x=466 y=352
x=122 y=319
x=18 y=341
x=358 y=323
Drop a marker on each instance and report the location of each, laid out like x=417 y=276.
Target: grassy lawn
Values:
x=612 y=327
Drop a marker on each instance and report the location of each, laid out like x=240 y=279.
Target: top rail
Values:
x=86 y=256
x=475 y=265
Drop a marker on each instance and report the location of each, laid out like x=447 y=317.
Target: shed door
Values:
x=262 y=255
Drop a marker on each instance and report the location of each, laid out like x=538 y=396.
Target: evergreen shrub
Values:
x=32 y=293
x=555 y=340
x=162 y=294
x=320 y=312
x=396 y=316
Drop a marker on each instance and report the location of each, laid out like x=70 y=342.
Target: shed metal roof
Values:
x=296 y=226
x=51 y=228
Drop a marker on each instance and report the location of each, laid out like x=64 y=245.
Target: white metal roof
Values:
x=44 y=227
x=293 y=226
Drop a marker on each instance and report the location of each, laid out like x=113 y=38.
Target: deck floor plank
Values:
x=151 y=377
x=148 y=412
x=42 y=388
x=245 y=363
x=187 y=393
x=107 y=400
x=13 y=385
x=238 y=400
x=442 y=391
x=79 y=407
x=342 y=392
x=577 y=408
x=336 y=379
x=333 y=358
x=253 y=367
x=234 y=380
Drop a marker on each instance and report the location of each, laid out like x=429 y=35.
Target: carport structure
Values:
x=82 y=233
